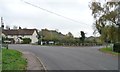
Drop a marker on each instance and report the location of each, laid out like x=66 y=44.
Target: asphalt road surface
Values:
x=71 y=58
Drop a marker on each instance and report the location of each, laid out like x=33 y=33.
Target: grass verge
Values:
x=0 y=60
x=109 y=50
x=13 y=60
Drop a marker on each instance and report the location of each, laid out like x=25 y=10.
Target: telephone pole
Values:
x=1 y=44
x=2 y=23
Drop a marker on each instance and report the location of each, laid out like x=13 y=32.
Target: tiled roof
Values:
x=18 y=31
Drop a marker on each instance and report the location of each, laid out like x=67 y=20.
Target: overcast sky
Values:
x=16 y=12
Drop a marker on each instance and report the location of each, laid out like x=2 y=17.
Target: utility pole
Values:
x=0 y=49
x=2 y=23
x=1 y=44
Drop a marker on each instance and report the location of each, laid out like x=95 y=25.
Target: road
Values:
x=71 y=58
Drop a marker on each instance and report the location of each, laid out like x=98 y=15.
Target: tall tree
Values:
x=82 y=36
x=70 y=34
x=106 y=17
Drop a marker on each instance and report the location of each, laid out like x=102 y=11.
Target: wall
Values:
x=34 y=37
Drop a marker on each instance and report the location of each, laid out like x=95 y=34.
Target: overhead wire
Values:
x=57 y=14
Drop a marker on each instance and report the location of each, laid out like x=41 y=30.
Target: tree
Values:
x=15 y=27
x=106 y=17
x=70 y=34
x=50 y=35
x=82 y=38
x=20 y=27
x=57 y=37
x=7 y=27
x=69 y=39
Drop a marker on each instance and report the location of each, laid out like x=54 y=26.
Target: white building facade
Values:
x=19 y=34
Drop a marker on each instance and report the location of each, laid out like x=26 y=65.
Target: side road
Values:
x=34 y=62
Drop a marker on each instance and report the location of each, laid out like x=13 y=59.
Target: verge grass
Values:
x=13 y=60
x=109 y=50
x=0 y=60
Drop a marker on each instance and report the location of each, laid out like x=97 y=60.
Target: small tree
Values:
x=7 y=27
x=82 y=38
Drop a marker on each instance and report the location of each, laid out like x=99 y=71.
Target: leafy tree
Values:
x=57 y=37
x=82 y=38
x=68 y=39
x=106 y=17
x=51 y=35
x=70 y=34
x=20 y=27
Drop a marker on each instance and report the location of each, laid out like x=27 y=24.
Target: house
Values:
x=16 y=35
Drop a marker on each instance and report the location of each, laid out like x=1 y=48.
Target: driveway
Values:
x=71 y=58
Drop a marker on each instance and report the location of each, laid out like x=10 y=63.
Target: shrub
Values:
x=116 y=47
x=26 y=41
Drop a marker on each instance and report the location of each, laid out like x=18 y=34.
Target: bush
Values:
x=26 y=41
x=116 y=47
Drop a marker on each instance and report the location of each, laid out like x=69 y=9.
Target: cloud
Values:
x=18 y=13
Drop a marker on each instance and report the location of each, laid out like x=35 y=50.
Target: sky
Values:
x=19 y=13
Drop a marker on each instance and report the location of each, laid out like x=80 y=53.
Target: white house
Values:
x=18 y=34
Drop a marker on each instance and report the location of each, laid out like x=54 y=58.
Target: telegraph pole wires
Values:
x=73 y=20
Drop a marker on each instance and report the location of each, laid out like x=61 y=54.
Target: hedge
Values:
x=116 y=47
x=26 y=40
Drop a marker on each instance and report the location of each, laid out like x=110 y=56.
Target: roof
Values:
x=19 y=31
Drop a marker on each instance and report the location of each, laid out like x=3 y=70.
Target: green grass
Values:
x=13 y=60
x=109 y=50
x=0 y=60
